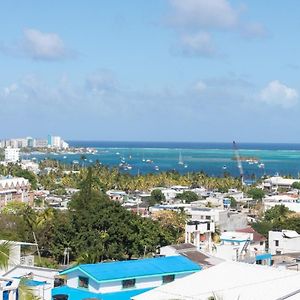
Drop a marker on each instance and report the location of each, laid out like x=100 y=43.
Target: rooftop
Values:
x=231 y=280
x=111 y=271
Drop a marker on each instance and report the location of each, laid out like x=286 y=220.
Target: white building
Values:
x=113 y=279
x=273 y=183
x=12 y=154
x=224 y=219
x=199 y=233
x=285 y=241
x=41 y=280
x=14 y=189
x=242 y=246
x=292 y=202
x=231 y=281
x=9 y=288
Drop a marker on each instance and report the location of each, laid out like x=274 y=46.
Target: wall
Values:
x=286 y=245
x=116 y=286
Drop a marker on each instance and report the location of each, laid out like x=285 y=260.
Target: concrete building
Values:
x=11 y=155
x=40 y=143
x=224 y=219
x=242 y=246
x=275 y=182
x=231 y=281
x=122 y=279
x=15 y=189
x=40 y=280
x=199 y=233
x=285 y=241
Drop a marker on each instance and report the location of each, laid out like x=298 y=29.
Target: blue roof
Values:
x=111 y=271
x=78 y=294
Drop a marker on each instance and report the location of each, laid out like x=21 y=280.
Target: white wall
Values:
x=286 y=245
x=39 y=274
x=116 y=286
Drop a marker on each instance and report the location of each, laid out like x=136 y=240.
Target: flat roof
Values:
x=231 y=280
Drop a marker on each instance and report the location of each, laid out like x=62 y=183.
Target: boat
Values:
x=180 y=160
x=64 y=157
x=75 y=162
x=149 y=161
x=185 y=166
x=117 y=153
x=90 y=160
x=224 y=167
x=156 y=168
x=261 y=165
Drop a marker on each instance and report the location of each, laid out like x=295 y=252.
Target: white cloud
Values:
x=7 y=91
x=101 y=82
x=200 y=86
x=199 y=44
x=203 y=13
x=254 y=30
x=43 y=46
x=195 y=21
x=277 y=93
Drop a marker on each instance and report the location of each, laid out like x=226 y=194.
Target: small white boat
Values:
x=156 y=168
x=224 y=167
x=64 y=157
x=261 y=165
x=149 y=161
x=185 y=166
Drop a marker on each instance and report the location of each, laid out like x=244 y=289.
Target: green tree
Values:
x=256 y=194
x=296 y=185
x=188 y=196
x=156 y=197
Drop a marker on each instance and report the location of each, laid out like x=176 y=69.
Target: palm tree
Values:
x=25 y=292
x=4 y=254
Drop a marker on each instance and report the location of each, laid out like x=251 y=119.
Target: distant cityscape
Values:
x=52 y=141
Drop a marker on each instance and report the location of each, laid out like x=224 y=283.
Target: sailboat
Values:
x=180 y=160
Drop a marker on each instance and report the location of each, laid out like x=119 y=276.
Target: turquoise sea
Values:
x=212 y=158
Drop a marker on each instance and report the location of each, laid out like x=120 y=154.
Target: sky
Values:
x=161 y=70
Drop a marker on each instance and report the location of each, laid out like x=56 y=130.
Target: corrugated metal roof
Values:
x=111 y=271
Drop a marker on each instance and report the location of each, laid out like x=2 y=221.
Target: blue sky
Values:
x=162 y=70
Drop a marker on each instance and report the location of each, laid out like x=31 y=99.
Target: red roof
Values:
x=257 y=237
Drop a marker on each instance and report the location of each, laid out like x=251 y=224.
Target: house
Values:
x=191 y=252
x=9 y=288
x=119 y=196
x=40 y=280
x=275 y=182
x=17 y=255
x=14 y=189
x=224 y=219
x=199 y=233
x=122 y=279
x=285 y=241
x=242 y=246
x=292 y=202
x=230 y=281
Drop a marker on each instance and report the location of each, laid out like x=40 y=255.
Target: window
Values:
x=128 y=283
x=208 y=226
x=168 y=278
x=83 y=282
x=261 y=243
x=276 y=243
x=59 y=282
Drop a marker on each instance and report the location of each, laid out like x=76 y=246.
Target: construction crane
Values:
x=239 y=162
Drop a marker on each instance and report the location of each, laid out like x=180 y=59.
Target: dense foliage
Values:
x=278 y=217
x=188 y=196
x=94 y=228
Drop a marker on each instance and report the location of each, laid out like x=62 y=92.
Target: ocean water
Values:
x=212 y=158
